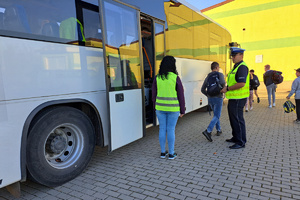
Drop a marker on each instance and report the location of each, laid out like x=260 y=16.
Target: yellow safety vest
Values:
x=241 y=93
x=166 y=99
x=68 y=29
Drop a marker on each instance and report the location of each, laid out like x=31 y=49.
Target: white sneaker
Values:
x=251 y=108
x=270 y=106
x=273 y=104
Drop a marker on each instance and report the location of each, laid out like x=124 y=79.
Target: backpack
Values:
x=289 y=107
x=213 y=85
x=277 y=77
x=255 y=82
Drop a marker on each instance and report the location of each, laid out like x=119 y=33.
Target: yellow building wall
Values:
x=269 y=28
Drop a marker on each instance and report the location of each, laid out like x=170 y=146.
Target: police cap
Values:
x=235 y=50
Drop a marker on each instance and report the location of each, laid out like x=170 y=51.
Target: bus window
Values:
x=92 y=28
x=122 y=47
x=1 y=19
x=94 y=2
x=15 y=19
x=55 y=21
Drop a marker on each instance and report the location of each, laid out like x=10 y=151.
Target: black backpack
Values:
x=277 y=77
x=213 y=85
x=255 y=82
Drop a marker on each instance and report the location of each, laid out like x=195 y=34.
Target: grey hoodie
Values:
x=295 y=88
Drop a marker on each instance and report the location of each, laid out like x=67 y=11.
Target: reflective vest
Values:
x=166 y=99
x=69 y=29
x=241 y=93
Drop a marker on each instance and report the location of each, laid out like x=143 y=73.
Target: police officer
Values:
x=237 y=91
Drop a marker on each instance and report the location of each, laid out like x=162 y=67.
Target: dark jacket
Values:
x=268 y=77
x=254 y=83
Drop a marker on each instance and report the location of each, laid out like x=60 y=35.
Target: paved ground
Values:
x=268 y=168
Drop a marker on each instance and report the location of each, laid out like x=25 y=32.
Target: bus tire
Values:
x=60 y=145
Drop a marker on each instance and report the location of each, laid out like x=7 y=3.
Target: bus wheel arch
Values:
x=86 y=111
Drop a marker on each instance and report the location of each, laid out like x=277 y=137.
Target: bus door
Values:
x=123 y=63
x=153 y=48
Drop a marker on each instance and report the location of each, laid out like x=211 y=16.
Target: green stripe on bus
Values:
x=251 y=9
x=198 y=52
x=189 y=24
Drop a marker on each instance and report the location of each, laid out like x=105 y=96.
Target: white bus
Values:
x=78 y=73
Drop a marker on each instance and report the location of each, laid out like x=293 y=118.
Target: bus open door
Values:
x=153 y=48
x=124 y=75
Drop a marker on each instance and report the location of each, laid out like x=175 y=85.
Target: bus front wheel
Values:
x=59 y=146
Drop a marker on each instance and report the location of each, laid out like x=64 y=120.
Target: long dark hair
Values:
x=167 y=65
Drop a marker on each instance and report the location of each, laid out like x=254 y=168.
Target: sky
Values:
x=201 y=4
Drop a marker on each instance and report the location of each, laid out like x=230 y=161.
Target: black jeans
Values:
x=298 y=108
x=237 y=122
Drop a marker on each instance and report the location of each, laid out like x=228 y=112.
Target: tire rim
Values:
x=63 y=146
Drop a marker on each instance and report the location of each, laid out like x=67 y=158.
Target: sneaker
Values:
x=258 y=99
x=270 y=106
x=172 y=156
x=251 y=108
x=246 y=110
x=207 y=135
x=297 y=121
x=273 y=104
x=163 y=155
x=219 y=133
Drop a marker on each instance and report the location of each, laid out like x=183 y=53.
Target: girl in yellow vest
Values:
x=168 y=98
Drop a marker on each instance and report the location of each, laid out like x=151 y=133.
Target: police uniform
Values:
x=237 y=100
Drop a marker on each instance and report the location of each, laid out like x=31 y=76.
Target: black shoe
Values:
x=163 y=155
x=230 y=140
x=219 y=133
x=258 y=99
x=236 y=146
x=172 y=156
x=207 y=135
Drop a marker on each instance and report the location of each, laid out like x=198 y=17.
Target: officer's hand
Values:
x=224 y=90
x=288 y=97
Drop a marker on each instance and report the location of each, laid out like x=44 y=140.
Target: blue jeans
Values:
x=167 y=122
x=216 y=104
x=271 y=92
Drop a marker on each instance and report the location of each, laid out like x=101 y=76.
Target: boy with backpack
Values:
x=211 y=88
x=271 y=86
